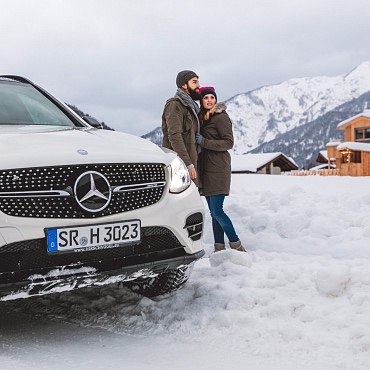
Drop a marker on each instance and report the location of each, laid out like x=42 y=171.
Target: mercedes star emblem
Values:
x=92 y=191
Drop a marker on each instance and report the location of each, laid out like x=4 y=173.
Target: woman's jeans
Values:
x=221 y=223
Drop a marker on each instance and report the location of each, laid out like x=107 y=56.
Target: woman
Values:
x=216 y=138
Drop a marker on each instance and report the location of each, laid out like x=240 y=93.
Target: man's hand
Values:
x=192 y=173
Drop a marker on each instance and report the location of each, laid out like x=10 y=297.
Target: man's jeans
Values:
x=221 y=223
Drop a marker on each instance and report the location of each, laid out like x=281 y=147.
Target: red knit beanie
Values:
x=205 y=90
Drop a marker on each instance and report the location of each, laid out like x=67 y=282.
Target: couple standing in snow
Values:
x=202 y=136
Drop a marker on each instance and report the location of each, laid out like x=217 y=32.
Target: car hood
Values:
x=33 y=146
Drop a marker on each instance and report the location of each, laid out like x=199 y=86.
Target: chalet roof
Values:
x=322 y=157
x=353 y=145
x=255 y=162
x=365 y=114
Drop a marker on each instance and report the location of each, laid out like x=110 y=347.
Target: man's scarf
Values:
x=190 y=103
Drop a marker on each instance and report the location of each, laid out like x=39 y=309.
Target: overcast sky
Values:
x=117 y=60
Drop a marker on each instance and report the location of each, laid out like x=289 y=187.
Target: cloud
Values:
x=120 y=59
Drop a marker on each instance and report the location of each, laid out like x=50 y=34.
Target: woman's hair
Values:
x=204 y=113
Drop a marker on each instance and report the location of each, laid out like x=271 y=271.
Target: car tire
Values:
x=166 y=282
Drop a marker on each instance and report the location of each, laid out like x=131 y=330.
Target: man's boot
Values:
x=219 y=247
x=237 y=246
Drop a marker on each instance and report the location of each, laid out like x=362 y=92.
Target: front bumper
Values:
x=27 y=283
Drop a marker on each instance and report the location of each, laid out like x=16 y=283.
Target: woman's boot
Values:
x=237 y=246
x=219 y=247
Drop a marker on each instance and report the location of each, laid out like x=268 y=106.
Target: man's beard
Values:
x=194 y=94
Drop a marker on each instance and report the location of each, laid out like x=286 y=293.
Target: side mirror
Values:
x=92 y=121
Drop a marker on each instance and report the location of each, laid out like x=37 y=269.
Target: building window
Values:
x=362 y=134
x=349 y=156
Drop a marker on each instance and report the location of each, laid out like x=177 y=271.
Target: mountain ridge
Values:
x=305 y=142
x=263 y=113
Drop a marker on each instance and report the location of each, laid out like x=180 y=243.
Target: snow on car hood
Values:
x=32 y=146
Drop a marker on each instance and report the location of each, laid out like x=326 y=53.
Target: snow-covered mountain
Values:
x=260 y=115
x=304 y=142
x=279 y=117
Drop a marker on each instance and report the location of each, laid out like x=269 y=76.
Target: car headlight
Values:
x=180 y=178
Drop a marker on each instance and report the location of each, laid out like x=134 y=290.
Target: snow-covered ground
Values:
x=300 y=299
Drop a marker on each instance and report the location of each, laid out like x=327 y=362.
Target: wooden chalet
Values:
x=352 y=157
x=263 y=163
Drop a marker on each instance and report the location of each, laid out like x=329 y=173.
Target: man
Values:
x=180 y=121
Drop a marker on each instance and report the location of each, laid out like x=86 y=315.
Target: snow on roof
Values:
x=321 y=166
x=352 y=145
x=365 y=113
x=251 y=162
x=333 y=143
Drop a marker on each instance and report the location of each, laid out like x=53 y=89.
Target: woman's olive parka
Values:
x=215 y=160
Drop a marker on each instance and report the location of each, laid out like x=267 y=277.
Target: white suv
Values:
x=81 y=206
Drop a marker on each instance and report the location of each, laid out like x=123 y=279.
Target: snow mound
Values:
x=333 y=281
x=230 y=255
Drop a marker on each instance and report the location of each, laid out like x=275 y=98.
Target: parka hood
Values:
x=220 y=107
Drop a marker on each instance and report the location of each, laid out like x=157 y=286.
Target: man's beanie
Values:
x=184 y=76
x=205 y=90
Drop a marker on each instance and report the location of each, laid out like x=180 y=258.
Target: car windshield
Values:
x=22 y=104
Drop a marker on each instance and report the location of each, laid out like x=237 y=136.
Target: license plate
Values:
x=93 y=237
